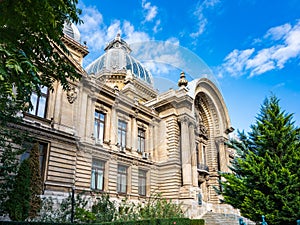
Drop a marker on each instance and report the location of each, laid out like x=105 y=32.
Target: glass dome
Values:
x=72 y=31
x=117 y=58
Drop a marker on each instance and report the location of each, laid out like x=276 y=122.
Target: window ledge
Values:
x=36 y=119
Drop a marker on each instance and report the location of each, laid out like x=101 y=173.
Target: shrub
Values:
x=197 y=222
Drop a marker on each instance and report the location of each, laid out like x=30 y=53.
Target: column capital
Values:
x=192 y=124
x=220 y=140
x=183 y=119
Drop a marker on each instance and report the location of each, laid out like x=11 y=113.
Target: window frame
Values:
x=36 y=104
x=142 y=182
x=44 y=149
x=122 y=133
x=98 y=121
x=95 y=175
x=122 y=176
x=141 y=145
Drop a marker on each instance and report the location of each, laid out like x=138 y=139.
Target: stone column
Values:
x=151 y=140
x=185 y=152
x=57 y=108
x=200 y=153
x=89 y=116
x=107 y=127
x=113 y=125
x=222 y=154
x=193 y=155
x=134 y=134
x=155 y=139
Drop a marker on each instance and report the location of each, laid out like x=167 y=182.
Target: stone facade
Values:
x=113 y=132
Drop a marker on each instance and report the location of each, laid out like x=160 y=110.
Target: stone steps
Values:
x=223 y=219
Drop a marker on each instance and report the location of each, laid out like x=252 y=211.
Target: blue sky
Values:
x=249 y=48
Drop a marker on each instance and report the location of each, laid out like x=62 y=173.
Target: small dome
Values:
x=117 y=58
x=72 y=31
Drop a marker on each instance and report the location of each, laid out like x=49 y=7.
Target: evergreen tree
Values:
x=35 y=181
x=11 y=146
x=266 y=172
x=18 y=204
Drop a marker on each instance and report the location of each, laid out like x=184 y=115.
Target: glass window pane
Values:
x=100 y=180
x=44 y=90
x=93 y=179
x=122 y=179
x=42 y=107
x=123 y=182
x=97 y=175
x=96 y=135
x=96 y=114
x=39 y=103
x=33 y=100
x=102 y=117
x=123 y=139
x=101 y=132
x=119 y=137
x=142 y=145
x=142 y=182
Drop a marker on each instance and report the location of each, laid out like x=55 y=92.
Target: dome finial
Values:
x=182 y=82
x=118 y=37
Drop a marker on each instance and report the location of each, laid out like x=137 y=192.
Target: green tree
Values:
x=35 y=181
x=18 y=204
x=158 y=207
x=265 y=178
x=12 y=143
x=104 y=209
x=32 y=55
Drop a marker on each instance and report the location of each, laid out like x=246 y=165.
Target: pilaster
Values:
x=185 y=152
x=193 y=154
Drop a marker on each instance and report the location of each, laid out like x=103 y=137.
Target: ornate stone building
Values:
x=113 y=132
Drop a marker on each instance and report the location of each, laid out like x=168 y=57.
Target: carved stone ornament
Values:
x=72 y=94
x=202 y=128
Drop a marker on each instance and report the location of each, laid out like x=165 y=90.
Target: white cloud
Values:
x=151 y=11
x=235 y=61
x=132 y=36
x=157 y=27
x=93 y=29
x=113 y=30
x=278 y=32
x=97 y=33
x=286 y=46
x=200 y=14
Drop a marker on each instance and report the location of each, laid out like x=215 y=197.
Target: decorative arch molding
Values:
x=209 y=104
x=213 y=105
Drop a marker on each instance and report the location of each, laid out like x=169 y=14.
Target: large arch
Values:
x=216 y=104
x=213 y=126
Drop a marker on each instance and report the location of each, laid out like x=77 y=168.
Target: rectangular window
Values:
x=141 y=140
x=43 y=154
x=122 y=179
x=39 y=103
x=97 y=177
x=99 y=125
x=122 y=132
x=142 y=182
